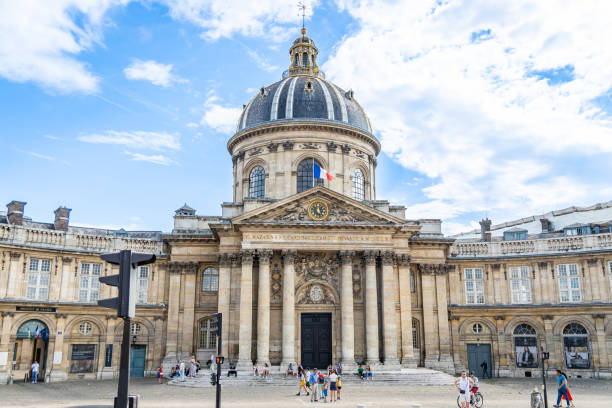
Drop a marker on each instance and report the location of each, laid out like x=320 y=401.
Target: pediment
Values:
x=341 y=210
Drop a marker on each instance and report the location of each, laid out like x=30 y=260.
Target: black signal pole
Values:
x=219 y=358
x=124 y=365
x=543 y=355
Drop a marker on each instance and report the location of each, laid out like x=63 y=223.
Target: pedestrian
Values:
x=307 y=377
x=211 y=362
x=160 y=374
x=314 y=380
x=266 y=371
x=323 y=385
x=192 y=367
x=463 y=384
x=333 y=386
x=339 y=385
x=302 y=384
x=569 y=393
x=475 y=386
x=485 y=369
x=561 y=389
x=35 y=367
x=182 y=370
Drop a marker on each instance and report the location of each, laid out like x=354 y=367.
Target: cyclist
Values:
x=463 y=384
x=474 y=387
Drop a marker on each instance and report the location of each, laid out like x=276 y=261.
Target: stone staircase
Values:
x=405 y=377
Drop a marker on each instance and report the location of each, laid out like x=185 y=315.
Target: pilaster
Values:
x=346 y=305
x=408 y=359
x=389 y=311
x=245 y=336
x=288 y=331
x=223 y=306
x=371 y=309
x=191 y=269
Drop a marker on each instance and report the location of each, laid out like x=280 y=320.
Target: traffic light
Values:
x=217 y=325
x=213 y=379
x=545 y=355
x=126 y=281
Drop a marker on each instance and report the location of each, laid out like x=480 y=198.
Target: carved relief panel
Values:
x=317 y=267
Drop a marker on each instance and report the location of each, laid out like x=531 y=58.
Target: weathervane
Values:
x=302 y=7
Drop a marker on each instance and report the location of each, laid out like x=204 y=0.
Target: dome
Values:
x=303 y=94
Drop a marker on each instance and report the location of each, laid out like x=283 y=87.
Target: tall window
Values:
x=474 y=286
x=305 y=177
x=207 y=338
x=412 y=283
x=210 y=280
x=520 y=284
x=38 y=279
x=358 y=185
x=89 y=285
x=569 y=283
x=415 y=333
x=526 y=346
x=143 y=283
x=305 y=59
x=257 y=182
x=576 y=346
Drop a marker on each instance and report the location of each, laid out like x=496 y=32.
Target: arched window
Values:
x=210 y=280
x=206 y=338
x=297 y=60
x=305 y=59
x=526 y=346
x=358 y=185
x=576 y=346
x=257 y=182
x=305 y=177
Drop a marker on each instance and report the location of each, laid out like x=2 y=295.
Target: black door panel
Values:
x=316 y=340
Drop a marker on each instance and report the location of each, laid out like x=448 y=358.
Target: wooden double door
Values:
x=316 y=340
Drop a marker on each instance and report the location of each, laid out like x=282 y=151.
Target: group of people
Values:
x=365 y=373
x=181 y=370
x=320 y=385
x=563 y=391
x=263 y=371
x=468 y=387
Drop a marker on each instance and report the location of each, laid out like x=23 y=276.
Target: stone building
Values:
x=311 y=270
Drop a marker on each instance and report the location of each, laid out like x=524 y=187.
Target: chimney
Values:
x=545 y=224
x=62 y=215
x=15 y=212
x=485 y=228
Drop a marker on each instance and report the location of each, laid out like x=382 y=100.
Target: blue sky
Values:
x=121 y=109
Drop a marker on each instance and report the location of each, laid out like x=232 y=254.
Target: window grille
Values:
x=257 y=182
x=89 y=285
x=474 y=286
x=358 y=185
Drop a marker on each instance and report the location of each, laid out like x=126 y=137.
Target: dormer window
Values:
x=515 y=235
x=576 y=229
x=309 y=87
x=263 y=92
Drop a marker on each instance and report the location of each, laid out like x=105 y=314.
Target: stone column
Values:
x=408 y=359
x=263 y=308
x=346 y=309
x=446 y=360
x=174 y=289
x=430 y=342
x=245 y=333
x=371 y=309
x=189 y=307
x=5 y=336
x=288 y=343
x=389 y=310
x=223 y=299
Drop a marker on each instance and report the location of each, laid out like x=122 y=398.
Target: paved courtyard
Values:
x=498 y=393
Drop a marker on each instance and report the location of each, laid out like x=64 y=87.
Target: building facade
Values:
x=307 y=265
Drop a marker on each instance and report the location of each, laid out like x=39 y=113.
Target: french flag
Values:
x=320 y=173
x=37 y=332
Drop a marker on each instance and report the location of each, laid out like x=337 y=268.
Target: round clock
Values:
x=318 y=210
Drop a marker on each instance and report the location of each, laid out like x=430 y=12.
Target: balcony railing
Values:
x=532 y=246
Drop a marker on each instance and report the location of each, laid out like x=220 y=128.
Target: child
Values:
x=339 y=386
x=160 y=374
x=325 y=386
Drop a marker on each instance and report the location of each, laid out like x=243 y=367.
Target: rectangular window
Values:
x=89 y=283
x=520 y=284
x=569 y=283
x=143 y=284
x=474 y=286
x=412 y=283
x=415 y=334
x=38 y=279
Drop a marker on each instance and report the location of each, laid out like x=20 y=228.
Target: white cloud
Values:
x=135 y=139
x=156 y=73
x=222 y=18
x=40 y=39
x=37 y=155
x=262 y=62
x=462 y=106
x=218 y=116
x=154 y=158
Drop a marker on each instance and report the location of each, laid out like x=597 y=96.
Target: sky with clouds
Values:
x=121 y=109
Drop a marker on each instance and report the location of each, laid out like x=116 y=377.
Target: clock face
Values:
x=318 y=210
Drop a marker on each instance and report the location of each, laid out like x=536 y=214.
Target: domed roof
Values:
x=303 y=95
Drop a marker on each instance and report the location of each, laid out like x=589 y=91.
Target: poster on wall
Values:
x=526 y=356
x=82 y=358
x=576 y=350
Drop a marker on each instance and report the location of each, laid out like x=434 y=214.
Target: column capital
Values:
x=9 y=314
x=289 y=256
x=387 y=257
x=15 y=255
x=191 y=267
x=264 y=256
x=247 y=256
x=236 y=260
x=61 y=315
x=66 y=259
x=225 y=260
x=346 y=257
x=369 y=257
x=403 y=259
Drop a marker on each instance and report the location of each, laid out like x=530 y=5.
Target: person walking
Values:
x=333 y=386
x=569 y=393
x=302 y=384
x=561 y=389
x=314 y=380
x=463 y=384
x=182 y=370
x=192 y=367
x=485 y=369
x=35 y=367
x=307 y=378
x=160 y=374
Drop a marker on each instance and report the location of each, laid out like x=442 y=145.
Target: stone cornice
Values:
x=277 y=127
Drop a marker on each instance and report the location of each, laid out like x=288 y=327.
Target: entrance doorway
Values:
x=316 y=340
x=31 y=345
x=477 y=353
x=137 y=360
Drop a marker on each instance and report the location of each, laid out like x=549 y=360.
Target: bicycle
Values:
x=475 y=401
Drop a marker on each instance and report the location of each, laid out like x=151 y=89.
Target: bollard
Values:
x=10 y=380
